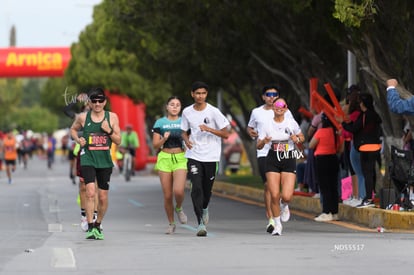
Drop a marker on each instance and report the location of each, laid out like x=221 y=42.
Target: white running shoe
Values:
x=201 y=230
x=182 y=217
x=348 y=201
x=335 y=217
x=278 y=230
x=270 y=226
x=355 y=202
x=170 y=229
x=324 y=217
x=206 y=217
x=84 y=224
x=316 y=196
x=284 y=212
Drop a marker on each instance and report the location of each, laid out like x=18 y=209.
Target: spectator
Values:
x=395 y=102
x=351 y=155
x=367 y=131
x=326 y=144
x=232 y=150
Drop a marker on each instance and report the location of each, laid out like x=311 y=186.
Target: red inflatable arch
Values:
x=134 y=114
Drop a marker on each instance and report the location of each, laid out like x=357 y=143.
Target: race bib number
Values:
x=98 y=141
x=280 y=147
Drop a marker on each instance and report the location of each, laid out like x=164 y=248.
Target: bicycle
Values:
x=127 y=165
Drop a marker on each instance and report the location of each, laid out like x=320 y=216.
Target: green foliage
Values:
x=151 y=49
x=34 y=118
x=10 y=97
x=31 y=91
x=352 y=14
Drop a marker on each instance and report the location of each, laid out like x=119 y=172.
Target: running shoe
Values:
x=335 y=217
x=170 y=229
x=270 y=226
x=182 y=217
x=278 y=230
x=366 y=204
x=95 y=217
x=90 y=234
x=324 y=217
x=284 y=212
x=201 y=230
x=98 y=234
x=348 y=201
x=84 y=223
x=355 y=202
x=205 y=216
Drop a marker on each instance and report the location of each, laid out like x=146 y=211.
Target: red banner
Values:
x=34 y=62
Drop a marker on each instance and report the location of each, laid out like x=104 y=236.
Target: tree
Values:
x=36 y=119
x=236 y=47
x=150 y=49
x=10 y=94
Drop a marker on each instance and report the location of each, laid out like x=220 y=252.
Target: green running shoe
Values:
x=98 y=234
x=90 y=234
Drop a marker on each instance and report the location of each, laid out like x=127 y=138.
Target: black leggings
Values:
x=368 y=160
x=202 y=176
x=327 y=168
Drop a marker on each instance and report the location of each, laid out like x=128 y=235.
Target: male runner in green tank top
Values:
x=100 y=129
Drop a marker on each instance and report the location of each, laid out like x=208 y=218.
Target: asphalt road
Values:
x=40 y=234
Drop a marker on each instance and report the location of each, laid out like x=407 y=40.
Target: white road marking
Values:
x=63 y=258
x=54 y=227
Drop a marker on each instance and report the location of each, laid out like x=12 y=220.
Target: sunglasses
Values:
x=97 y=100
x=270 y=94
x=280 y=104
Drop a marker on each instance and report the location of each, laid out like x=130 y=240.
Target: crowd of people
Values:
x=189 y=145
x=18 y=147
x=351 y=150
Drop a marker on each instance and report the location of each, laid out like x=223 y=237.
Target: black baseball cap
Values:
x=96 y=93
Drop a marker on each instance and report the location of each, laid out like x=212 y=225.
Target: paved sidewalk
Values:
x=370 y=217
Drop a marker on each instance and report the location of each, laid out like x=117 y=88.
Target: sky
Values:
x=44 y=23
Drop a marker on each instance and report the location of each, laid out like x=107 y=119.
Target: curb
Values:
x=370 y=217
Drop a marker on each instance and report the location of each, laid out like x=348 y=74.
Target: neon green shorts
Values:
x=170 y=162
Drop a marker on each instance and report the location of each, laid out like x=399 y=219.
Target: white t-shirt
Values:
x=281 y=131
x=259 y=117
x=206 y=146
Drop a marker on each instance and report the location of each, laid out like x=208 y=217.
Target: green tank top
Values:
x=96 y=152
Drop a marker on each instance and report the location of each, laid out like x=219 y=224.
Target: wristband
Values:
x=111 y=132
